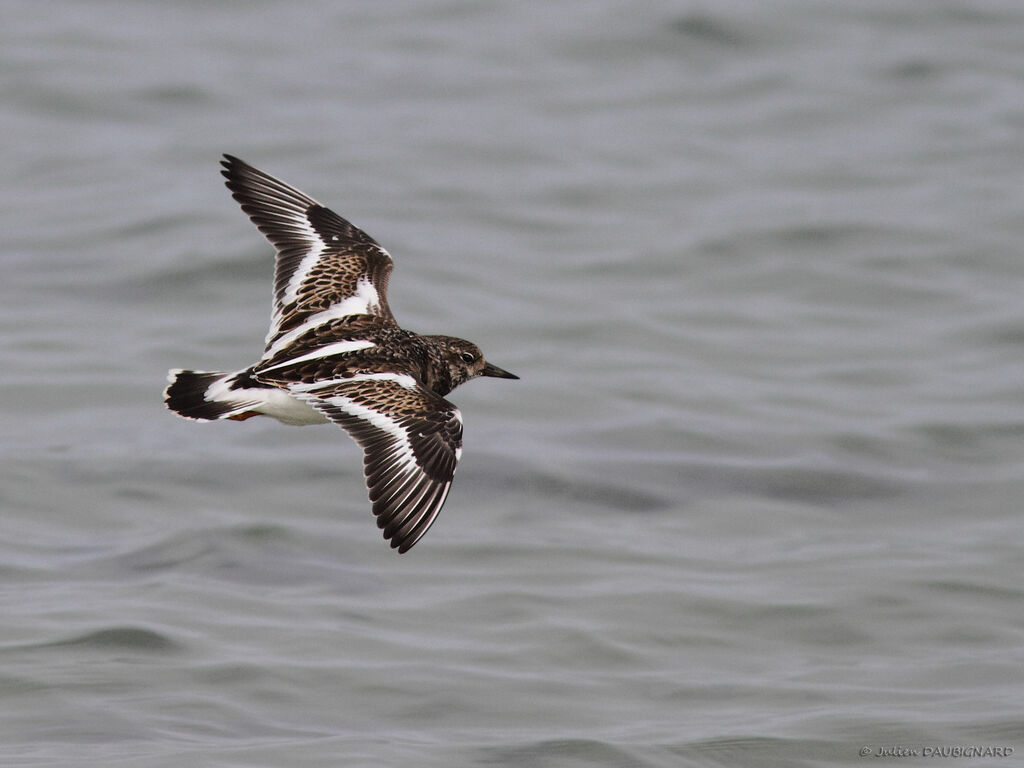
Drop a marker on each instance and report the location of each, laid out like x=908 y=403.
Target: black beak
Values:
x=496 y=372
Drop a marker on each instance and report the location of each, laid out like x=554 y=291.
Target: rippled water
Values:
x=755 y=501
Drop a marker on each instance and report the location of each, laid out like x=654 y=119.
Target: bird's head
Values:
x=465 y=361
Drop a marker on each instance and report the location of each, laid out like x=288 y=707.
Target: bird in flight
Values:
x=334 y=353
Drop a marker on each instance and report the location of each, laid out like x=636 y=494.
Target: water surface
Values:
x=755 y=500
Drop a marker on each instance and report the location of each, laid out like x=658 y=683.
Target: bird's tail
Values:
x=210 y=395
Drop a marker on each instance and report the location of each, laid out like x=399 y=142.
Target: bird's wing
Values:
x=326 y=268
x=411 y=440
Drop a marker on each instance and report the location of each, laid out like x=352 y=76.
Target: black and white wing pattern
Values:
x=326 y=267
x=411 y=440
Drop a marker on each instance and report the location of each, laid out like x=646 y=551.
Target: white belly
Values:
x=279 y=405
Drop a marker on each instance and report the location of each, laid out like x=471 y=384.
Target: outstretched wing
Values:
x=326 y=267
x=411 y=440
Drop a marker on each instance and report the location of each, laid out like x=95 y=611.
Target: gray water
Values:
x=755 y=501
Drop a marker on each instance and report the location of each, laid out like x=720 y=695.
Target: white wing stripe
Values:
x=338 y=310
x=338 y=348
x=365 y=301
x=402 y=379
x=292 y=291
x=403 y=447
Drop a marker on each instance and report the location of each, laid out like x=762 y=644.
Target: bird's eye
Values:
x=467 y=357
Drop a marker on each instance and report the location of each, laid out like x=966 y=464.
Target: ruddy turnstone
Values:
x=334 y=353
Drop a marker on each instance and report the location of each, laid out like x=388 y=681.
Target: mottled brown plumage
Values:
x=335 y=353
